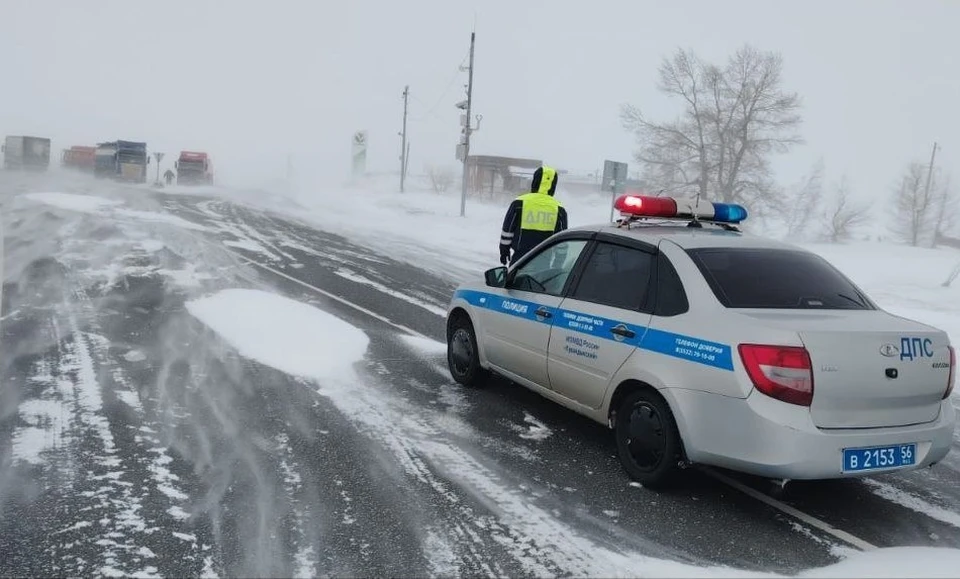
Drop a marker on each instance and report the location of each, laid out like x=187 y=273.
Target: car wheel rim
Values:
x=461 y=352
x=646 y=438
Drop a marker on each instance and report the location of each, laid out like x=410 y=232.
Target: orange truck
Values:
x=79 y=157
x=194 y=168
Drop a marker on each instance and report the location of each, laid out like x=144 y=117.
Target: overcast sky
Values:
x=251 y=81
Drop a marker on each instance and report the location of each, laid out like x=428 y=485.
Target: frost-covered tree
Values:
x=844 y=215
x=800 y=203
x=733 y=118
x=914 y=206
x=439 y=178
x=946 y=211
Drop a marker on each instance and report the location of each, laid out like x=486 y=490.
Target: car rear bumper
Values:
x=765 y=437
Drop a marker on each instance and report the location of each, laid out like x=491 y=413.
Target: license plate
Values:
x=857 y=459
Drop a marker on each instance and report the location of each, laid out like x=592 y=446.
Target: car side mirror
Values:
x=496 y=277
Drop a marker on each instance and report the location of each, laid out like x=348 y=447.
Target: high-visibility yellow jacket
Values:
x=535 y=216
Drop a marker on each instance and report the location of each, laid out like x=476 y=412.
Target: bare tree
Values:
x=733 y=119
x=800 y=204
x=675 y=153
x=946 y=211
x=440 y=179
x=914 y=205
x=844 y=215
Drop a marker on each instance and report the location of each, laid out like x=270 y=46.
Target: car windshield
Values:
x=776 y=278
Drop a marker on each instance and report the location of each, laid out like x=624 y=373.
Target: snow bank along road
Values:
x=194 y=387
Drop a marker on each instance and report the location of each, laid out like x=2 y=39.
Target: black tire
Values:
x=463 y=357
x=648 y=441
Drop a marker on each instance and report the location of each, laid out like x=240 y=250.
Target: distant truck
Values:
x=105 y=161
x=79 y=157
x=29 y=153
x=194 y=168
x=122 y=161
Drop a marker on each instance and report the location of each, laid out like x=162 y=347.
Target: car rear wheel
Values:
x=463 y=357
x=648 y=441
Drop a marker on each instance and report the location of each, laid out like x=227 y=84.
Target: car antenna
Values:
x=696 y=222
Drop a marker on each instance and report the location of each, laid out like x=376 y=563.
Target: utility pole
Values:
x=467 y=130
x=926 y=196
x=403 y=135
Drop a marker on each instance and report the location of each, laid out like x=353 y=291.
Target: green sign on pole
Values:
x=359 y=153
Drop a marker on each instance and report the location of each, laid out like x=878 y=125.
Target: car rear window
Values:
x=776 y=278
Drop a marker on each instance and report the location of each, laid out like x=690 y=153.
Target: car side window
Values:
x=671 y=297
x=616 y=276
x=547 y=272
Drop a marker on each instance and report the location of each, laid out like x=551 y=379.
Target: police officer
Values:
x=532 y=217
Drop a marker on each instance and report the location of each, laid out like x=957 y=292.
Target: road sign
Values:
x=614 y=177
x=159 y=157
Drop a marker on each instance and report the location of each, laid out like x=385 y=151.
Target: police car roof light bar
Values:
x=636 y=206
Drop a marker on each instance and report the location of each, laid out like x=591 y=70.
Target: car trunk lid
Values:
x=870 y=369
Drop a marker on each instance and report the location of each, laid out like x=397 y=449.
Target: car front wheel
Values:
x=463 y=357
x=648 y=441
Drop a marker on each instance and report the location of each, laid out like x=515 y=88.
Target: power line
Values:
x=432 y=110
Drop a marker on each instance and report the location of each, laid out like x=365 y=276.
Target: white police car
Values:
x=697 y=343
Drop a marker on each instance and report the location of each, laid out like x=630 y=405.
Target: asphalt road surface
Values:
x=135 y=441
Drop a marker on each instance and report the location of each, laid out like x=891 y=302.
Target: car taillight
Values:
x=781 y=372
x=953 y=373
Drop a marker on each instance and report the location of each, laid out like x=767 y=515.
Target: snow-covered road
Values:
x=193 y=387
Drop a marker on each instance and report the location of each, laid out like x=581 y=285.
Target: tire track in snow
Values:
x=405 y=296
x=101 y=515
x=46 y=421
x=251 y=239
x=121 y=522
x=149 y=453
x=305 y=557
x=509 y=519
x=913 y=502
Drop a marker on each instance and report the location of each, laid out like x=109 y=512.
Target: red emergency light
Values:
x=640 y=205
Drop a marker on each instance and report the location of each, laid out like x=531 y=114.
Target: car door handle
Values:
x=626 y=333
x=544 y=312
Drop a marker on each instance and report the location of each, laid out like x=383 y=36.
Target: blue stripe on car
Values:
x=680 y=346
